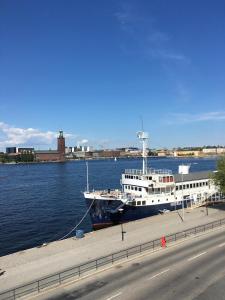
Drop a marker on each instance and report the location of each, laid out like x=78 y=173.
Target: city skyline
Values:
x=94 y=69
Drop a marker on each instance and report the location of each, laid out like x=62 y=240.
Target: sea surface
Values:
x=42 y=202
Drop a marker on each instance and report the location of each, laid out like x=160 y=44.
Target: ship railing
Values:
x=149 y=171
x=66 y=276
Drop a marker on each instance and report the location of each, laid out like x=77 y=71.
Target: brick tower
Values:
x=61 y=145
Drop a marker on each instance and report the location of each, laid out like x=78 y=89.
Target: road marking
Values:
x=221 y=245
x=194 y=257
x=156 y=275
x=114 y=296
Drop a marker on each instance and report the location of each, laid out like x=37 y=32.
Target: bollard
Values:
x=163 y=242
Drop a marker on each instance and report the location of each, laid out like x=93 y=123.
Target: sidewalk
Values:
x=26 y=266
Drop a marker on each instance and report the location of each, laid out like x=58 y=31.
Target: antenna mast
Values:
x=87 y=177
x=143 y=137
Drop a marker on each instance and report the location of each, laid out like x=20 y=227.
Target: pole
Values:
x=122 y=232
x=87 y=178
x=182 y=179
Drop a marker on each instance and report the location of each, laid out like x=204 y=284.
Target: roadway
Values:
x=194 y=269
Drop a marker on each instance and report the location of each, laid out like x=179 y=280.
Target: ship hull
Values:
x=105 y=213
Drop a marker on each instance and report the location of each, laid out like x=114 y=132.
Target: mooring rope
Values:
x=84 y=216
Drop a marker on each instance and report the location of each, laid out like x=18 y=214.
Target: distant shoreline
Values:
x=109 y=158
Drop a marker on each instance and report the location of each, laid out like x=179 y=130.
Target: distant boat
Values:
x=115 y=159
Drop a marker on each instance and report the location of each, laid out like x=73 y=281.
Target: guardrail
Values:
x=77 y=271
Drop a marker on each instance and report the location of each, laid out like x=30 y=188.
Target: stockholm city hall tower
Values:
x=61 y=145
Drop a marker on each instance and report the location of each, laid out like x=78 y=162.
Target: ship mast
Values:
x=143 y=137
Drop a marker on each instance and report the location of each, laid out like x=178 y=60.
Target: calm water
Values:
x=42 y=202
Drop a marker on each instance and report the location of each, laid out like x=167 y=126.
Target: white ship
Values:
x=148 y=191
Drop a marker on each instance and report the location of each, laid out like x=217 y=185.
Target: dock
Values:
x=31 y=264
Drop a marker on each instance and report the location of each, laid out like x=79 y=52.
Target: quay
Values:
x=32 y=264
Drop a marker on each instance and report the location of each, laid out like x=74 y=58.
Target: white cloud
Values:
x=15 y=136
x=82 y=142
x=149 y=40
x=183 y=118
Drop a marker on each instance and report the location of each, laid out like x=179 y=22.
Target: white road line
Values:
x=194 y=257
x=156 y=275
x=221 y=245
x=114 y=296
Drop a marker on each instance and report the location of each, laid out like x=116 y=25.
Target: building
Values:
x=61 y=145
x=209 y=151
x=53 y=155
x=220 y=150
x=25 y=150
x=10 y=150
x=186 y=153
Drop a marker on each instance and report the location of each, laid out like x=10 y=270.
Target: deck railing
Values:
x=78 y=271
x=149 y=171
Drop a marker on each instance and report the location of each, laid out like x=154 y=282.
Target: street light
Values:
x=122 y=231
x=121 y=225
x=183 y=170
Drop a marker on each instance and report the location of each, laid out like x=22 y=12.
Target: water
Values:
x=42 y=202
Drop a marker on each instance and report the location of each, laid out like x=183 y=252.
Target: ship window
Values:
x=136 y=177
x=187 y=186
x=158 y=200
x=132 y=188
x=180 y=187
x=139 y=189
x=166 y=199
x=177 y=188
x=191 y=185
x=138 y=202
x=200 y=183
x=143 y=202
x=206 y=183
x=152 y=201
x=197 y=184
x=135 y=188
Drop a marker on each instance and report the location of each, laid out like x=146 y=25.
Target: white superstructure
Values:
x=149 y=187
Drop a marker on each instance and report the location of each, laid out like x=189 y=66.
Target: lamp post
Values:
x=122 y=231
x=121 y=226
x=182 y=180
x=183 y=169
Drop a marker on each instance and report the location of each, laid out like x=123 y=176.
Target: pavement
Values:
x=29 y=265
x=194 y=269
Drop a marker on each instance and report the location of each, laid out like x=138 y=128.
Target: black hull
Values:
x=105 y=213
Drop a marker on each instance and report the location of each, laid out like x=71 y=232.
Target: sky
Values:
x=96 y=69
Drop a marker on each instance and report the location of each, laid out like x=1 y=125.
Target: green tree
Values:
x=219 y=176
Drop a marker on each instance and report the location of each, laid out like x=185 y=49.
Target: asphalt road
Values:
x=194 y=269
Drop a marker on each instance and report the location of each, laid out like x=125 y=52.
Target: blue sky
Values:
x=92 y=68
